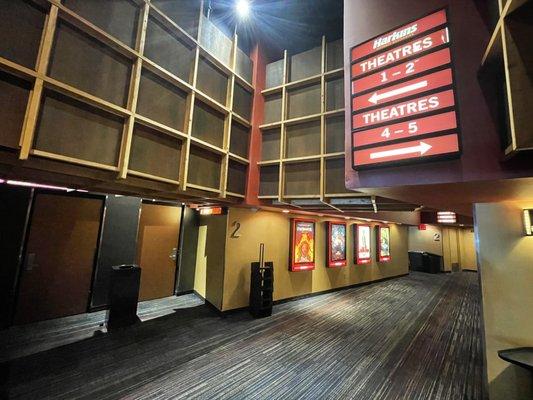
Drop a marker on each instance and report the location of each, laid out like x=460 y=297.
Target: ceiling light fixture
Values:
x=243 y=8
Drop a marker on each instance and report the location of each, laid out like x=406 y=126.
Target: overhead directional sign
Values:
x=414 y=86
x=403 y=102
x=413 y=48
x=401 y=71
x=406 y=150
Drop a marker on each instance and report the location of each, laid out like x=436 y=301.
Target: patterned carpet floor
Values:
x=415 y=337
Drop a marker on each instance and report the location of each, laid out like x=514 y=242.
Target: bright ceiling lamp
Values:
x=243 y=8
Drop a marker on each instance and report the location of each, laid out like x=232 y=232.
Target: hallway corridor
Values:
x=415 y=337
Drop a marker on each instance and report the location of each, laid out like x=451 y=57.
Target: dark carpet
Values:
x=416 y=337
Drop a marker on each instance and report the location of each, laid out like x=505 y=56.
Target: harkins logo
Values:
x=396 y=35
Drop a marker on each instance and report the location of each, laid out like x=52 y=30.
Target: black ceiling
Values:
x=295 y=25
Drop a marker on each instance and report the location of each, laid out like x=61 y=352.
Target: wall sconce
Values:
x=528 y=216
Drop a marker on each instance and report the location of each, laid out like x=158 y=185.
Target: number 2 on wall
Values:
x=235 y=234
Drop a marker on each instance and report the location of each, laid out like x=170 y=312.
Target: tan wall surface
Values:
x=200 y=271
x=506 y=269
x=467 y=249
x=423 y=240
x=272 y=228
x=456 y=245
x=213 y=257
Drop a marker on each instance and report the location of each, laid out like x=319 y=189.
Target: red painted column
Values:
x=258 y=106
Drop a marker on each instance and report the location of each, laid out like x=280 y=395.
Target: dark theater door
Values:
x=157 y=243
x=59 y=257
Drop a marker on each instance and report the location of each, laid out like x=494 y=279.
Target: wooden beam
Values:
x=34 y=102
x=133 y=95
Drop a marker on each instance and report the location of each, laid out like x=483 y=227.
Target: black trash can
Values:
x=123 y=296
x=433 y=263
x=261 y=289
x=416 y=260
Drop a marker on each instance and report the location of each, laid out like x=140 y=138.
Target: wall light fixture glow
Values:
x=528 y=230
x=243 y=8
x=36 y=185
x=286 y=211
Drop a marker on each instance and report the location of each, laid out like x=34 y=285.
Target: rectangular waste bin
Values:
x=123 y=296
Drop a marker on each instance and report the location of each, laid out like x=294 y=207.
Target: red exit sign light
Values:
x=403 y=100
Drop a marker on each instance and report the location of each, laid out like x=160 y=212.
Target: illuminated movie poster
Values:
x=302 y=245
x=336 y=244
x=363 y=252
x=384 y=244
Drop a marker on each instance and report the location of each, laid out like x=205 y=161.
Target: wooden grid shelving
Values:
x=508 y=65
x=299 y=141
x=80 y=59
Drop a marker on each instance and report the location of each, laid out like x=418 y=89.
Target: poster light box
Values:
x=383 y=243
x=336 y=244
x=302 y=245
x=363 y=244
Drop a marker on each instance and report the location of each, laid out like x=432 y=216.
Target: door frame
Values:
x=27 y=228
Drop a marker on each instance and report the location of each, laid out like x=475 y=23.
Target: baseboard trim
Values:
x=306 y=296
x=470 y=270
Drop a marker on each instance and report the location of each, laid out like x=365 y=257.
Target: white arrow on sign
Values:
x=391 y=93
x=422 y=148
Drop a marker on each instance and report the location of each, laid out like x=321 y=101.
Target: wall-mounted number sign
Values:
x=403 y=101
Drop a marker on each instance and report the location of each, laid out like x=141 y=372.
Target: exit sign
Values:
x=403 y=104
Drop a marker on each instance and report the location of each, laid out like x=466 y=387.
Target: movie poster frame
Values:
x=357 y=259
x=339 y=263
x=381 y=257
x=298 y=267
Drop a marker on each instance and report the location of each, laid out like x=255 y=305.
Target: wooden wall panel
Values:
x=208 y=124
x=302 y=178
x=20 y=30
x=167 y=50
x=204 y=168
x=302 y=139
x=14 y=94
x=73 y=129
x=81 y=61
x=237 y=177
x=159 y=227
x=244 y=65
x=242 y=102
x=118 y=17
x=186 y=14
x=240 y=140
x=268 y=181
x=212 y=81
x=274 y=74
x=56 y=278
x=270 y=144
x=161 y=101
x=335 y=134
x=303 y=101
x=272 y=108
x=334 y=94
x=335 y=176
x=334 y=55
x=155 y=153
x=306 y=64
